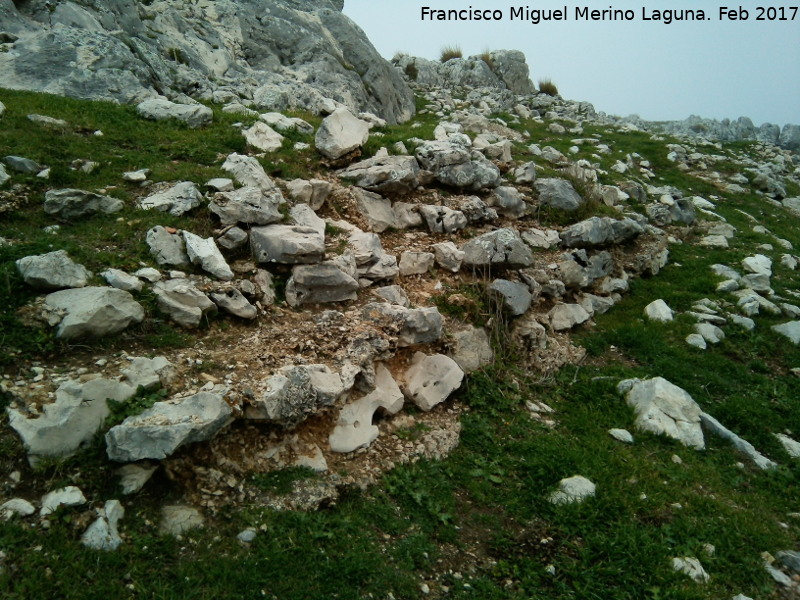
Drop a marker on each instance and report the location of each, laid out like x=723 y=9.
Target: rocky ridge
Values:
x=362 y=329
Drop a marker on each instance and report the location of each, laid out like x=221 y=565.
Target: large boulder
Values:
x=304 y=54
x=92 y=311
x=160 y=430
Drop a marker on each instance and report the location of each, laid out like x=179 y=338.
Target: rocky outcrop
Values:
x=306 y=55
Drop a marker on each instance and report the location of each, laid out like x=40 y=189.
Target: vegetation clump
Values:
x=546 y=86
x=449 y=53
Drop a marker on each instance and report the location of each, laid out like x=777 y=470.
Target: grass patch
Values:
x=546 y=86
x=449 y=53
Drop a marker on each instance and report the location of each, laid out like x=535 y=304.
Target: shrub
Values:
x=548 y=87
x=449 y=53
x=411 y=71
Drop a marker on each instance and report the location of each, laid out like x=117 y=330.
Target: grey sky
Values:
x=712 y=68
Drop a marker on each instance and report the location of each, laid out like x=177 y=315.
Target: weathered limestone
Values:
x=158 y=109
x=664 y=409
x=287 y=244
x=167 y=247
x=431 y=379
x=415 y=263
x=558 y=193
x=178 y=200
x=385 y=174
x=103 y=533
x=52 y=271
x=441 y=219
x=297 y=392
x=79 y=410
x=413 y=326
x=93 y=311
x=501 y=248
x=340 y=133
x=470 y=348
x=573 y=489
x=249 y=172
x=263 y=137
x=658 y=310
x=205 y=254
x=233 y=302
x=183 y=302
x=600 y=231
x=72 y=204
x=515 y=297
x=324 y=282
x=160 y=430
x=354 y=428
x=566 y=316
x=250 y=205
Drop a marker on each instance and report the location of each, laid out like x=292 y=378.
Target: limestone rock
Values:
x=470 y=348
x=415 y=263
x=183 y=302
x=158 y=109
x=711 y=333
x=393 y=294
x=72 y=204
x=441 y=219
x=52 y=271
x=233 y=239
x=16 y=506
x=297 y=392
x=448 y=256
x=558 y=193
x=122 y=281
x=431 y=379
x=103 y=533
x=287 y=244
x=413 y=326
x=249 y=172
x=93 y=311
x=664 y=409
x=167 y=248
x=455 y=165
x=658 y=310
x=78 y=412
x=354 y=428
x=160 y=430
x=567 y=316
x=177 y=520
x=600 y=231
x=690 y=567
x=133 y=477
x=743 y=446
x=538 y=238
x=249 y=205
x=376 y=210
x=515 y=297
x=508 y=202
x=67 y=496
x=340 y=133
x=206 y=254
x=790 y=329
x=177 y=200
x=500 y=248
x=622 y=435
x=263 y=137
x=791 y=446
x=232 y=301
x=385 y=174
x=324 y=282
x=573 y=489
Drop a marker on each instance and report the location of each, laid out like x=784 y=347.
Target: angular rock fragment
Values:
x=412 y=326
x=103 y=533
x=178 y=200
x=340 y=133
x=600 y=231
x=160 y=430
x=205 y=254
x=263 y=137
x=430 y=380
x=567 y=316
x=558 y=193
x=441 y=219
x=376 y=210
x=664 y=409
x=93 y=311
x=573 y=489
x=167 y=248
x=515 y=297
x=324 y=282
x=384 y=174
x=52 y=271
x=183 y=302
x=500 y=248
x=249 y=205
x=158 y=109
x=232 y=301
x=249 y=173
x=287 y=244
x=297 y=392
x=73 y=204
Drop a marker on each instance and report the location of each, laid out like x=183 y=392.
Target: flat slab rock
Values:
x=52 y=271
x=166 y=426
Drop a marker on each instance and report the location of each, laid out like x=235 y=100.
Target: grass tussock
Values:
x=546 y=86
x=449 y=53
x=486 y=56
